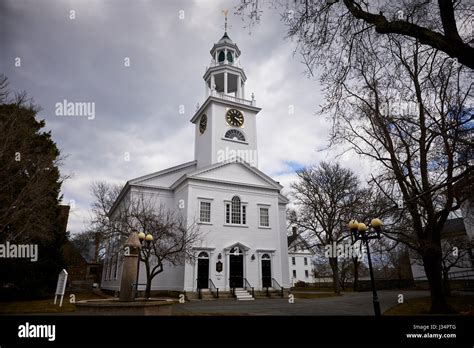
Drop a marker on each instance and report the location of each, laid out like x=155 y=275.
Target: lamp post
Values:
x=141 y=237
x=361 y=232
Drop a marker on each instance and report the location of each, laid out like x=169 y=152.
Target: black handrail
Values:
x=213 y=289
x=247 y=286
x=277 y=286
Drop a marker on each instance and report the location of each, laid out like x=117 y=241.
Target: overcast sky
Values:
x=137 y=107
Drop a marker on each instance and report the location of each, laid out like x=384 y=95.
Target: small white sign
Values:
x=61 y=286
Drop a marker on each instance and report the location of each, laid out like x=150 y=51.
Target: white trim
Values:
x=198 y=248
x=205 y=199
x=235 y=141
x=236 y=225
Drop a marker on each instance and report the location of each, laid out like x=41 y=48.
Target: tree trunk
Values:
x=356 y=275
x=432 y=265
x=148 y=287
x=335 y=274
x=446 y=287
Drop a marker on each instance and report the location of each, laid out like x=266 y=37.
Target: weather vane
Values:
x=225 y=12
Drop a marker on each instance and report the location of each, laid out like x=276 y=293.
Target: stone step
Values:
x=243 y=295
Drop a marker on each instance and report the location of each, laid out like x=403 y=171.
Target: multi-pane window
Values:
x=205 y=212
x=294 y=273
x=293 y=261
x=306 y=261
x=306 y=273
x=264 y=219
x=236 y=212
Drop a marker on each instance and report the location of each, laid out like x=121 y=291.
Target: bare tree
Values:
x=173 y=235
x=3 y=88
x=444 y=25
x=455 y=254
x=325 y=196
x=399 y=100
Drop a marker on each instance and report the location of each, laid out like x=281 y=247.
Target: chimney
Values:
x=295 y=233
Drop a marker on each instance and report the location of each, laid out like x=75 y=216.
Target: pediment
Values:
x=166 y=177
x=237 y=172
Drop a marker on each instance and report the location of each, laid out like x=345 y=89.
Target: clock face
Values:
x=234 y=118
x=203 y=123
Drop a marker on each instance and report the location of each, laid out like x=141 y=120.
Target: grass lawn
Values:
x=45 y=306
x=462 y=304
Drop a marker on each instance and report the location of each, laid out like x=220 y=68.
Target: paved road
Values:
x=359 y=303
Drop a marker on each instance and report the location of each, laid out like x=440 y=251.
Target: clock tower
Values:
x=225 y=124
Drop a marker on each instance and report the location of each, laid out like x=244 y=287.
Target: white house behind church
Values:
x=240 y=210
x=300 y=259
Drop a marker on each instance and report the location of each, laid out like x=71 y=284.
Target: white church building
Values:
x=240 y=210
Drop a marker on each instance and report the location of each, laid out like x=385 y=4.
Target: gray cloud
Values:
x=137 y=106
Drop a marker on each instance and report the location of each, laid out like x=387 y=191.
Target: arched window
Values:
x=230 y=58
x=236 y=212
x=221 y=56
x=234 y=134
x=203 y=255
x=265 y=257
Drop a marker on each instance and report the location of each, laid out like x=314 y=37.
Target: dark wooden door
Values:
x=203 y=273
x=236 y=268
x=266 y=273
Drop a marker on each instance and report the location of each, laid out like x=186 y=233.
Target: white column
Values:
x=213 y=82
x=227 y=271
x=243 y=91
x=225 y=56
x=216 y=56
x=225 y=82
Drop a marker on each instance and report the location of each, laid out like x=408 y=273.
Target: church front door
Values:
x=266 y=274
x=236 y=268
x=203 y=273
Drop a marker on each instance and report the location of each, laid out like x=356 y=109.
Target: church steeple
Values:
x=226 y=121
x=225 y=76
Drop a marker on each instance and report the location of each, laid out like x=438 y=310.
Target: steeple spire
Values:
x=225 y=21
